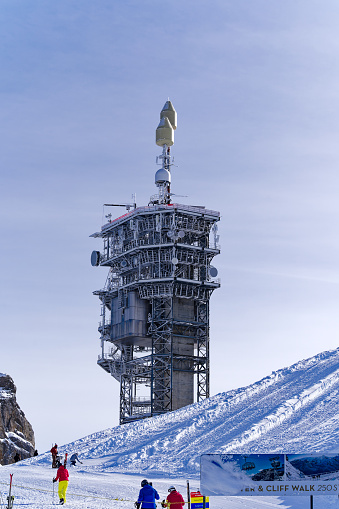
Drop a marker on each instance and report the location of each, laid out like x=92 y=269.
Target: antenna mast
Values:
x=164 y=137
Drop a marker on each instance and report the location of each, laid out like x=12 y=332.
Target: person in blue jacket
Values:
x=147 y=496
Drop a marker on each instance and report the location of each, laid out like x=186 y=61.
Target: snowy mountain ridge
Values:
x=286 y=410
x=295 y=409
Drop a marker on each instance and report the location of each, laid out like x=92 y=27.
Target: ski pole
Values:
x=10 y=498
x=53 y=491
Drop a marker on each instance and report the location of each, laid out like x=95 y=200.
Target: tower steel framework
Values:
x=154 y=326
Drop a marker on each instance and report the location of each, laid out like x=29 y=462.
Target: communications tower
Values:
x=154 y=326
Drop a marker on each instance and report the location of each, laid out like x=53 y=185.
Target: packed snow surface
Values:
x=293 y=410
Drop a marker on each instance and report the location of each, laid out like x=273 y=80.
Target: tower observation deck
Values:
x=154 y=326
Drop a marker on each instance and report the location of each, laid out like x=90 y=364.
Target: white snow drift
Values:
x=293 y=410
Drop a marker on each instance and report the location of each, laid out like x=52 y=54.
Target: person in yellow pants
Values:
x=62 y=476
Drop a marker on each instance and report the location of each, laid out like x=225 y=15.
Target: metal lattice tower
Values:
x=155 y=304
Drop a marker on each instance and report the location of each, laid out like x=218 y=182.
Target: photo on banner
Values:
x=270 y=474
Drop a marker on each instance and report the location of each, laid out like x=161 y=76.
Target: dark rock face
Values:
x=16 y=433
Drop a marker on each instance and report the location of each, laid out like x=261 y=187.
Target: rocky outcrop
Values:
x=16 y=433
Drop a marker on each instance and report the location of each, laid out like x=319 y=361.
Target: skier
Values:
x=62 y=476
x=147 y=496
x=174 y=499
x=74 y=458
x=54 y=452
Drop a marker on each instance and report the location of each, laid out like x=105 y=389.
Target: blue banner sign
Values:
x=269 y=474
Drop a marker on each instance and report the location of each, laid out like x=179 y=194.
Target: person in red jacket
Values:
x=62 y=476
x=54 y=452
x=174 y=499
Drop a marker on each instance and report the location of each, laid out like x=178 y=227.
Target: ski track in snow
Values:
x=293 y=410
x=32 y=487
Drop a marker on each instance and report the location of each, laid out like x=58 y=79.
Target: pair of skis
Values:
x=65 y=461
x=10 y=498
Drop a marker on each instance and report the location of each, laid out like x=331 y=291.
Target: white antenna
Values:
x=127 y=205
x=164 y=137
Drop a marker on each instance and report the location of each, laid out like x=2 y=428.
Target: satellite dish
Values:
x=172 y=234
x=95 y=258
x=213 y=271
x=175 y=261
x=123 y=263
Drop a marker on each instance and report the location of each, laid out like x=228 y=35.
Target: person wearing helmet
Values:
x=63 y=477
x=174 y=499
x=147 y=496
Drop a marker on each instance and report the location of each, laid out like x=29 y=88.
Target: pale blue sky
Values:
x=255 y=84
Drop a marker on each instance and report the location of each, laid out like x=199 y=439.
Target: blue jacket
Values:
x=147 y=496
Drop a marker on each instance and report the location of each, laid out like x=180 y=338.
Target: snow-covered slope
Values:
x=295 y=409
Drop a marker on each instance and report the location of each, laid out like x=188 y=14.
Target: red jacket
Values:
x=54 y=451
x=62 y=474
x=176 y=499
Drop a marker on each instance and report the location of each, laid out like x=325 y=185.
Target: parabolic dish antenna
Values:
x=213 y=271
x=95 y=258
x=175 y=261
